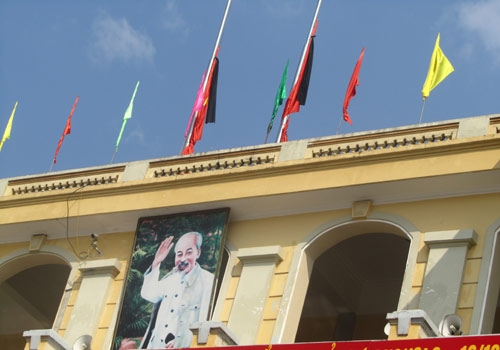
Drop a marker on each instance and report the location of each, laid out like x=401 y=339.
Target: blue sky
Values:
x=52 y=51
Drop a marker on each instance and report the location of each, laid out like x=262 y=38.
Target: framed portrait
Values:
x=171 y=278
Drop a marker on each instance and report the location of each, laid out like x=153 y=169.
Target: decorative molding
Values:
x=103 y=266
x=36 y=242
x=204 y=329
x=53 y=186
x=451 y=238
x=37 y=336
x=385 y=141
x=361 y=209
x=403 y=319
x=216 y=165
x=270 y=253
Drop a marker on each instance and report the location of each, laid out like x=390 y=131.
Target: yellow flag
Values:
x=439 y=68
x=6 y=134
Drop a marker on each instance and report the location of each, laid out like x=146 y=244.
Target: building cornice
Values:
x=74 y=185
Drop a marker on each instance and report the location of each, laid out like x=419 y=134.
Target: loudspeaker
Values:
x=451 y=325
x=83 y=342
x=387 y=328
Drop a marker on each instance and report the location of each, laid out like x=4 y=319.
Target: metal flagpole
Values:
x=422 y=111
x=338 y=127
x=297 y=74
x=113 y=156
x=211 y=62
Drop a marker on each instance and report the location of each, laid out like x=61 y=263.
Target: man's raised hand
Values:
x=163 y=251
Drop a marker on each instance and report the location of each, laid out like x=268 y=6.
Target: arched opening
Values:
x=352 y=286
x=496 y=320
x=492 y=310
x=30 y=296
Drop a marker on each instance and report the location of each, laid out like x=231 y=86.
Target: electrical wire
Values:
x=81 y=255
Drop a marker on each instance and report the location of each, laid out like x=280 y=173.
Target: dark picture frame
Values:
x=137 y=316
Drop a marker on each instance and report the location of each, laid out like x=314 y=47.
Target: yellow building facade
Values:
x=328 y=239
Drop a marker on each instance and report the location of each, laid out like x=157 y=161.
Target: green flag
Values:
x=127 y=116
x=278 y=101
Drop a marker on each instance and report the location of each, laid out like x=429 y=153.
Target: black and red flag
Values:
x=206 y=114
x=298 y=94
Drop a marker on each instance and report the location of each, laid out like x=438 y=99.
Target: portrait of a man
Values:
x=171 y=279
x=183 y=293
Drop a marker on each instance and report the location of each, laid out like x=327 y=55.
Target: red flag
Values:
x=298 y=94
x=207 y=113
x=198 y=103
x=67 y=129
x=351 y=88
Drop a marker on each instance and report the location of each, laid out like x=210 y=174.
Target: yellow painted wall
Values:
x=290 y=231
x=477 y=212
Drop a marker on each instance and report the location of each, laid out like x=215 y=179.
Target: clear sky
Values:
x=52 y=51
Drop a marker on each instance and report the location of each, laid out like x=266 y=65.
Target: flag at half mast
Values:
x=8 y=129
x=298 y=94
x=439 y=68
x=206 y=114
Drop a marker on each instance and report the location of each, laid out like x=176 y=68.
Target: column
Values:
x=253 y=288
x=96 y=278
x=444 y=271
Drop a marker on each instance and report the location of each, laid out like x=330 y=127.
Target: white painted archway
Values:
x=325 y=237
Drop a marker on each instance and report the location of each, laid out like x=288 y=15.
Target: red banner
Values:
x=480 y=342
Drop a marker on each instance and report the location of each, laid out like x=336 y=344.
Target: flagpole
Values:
x=210 y=64
x=113 y=156
x=338 y=127
x=116 y=146
x=422 y=111
x=297 y=74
